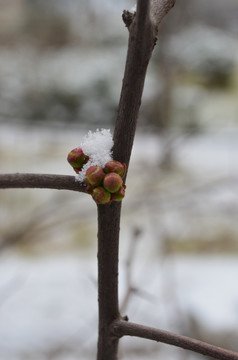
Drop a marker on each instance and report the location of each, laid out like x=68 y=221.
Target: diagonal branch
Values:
x=121 y=328
x=159 y=8
x=42 y=181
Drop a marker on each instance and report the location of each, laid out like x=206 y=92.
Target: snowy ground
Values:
x=48 y=302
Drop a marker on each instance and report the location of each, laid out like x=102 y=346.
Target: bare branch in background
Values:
x=130 y=289
x=159 y=8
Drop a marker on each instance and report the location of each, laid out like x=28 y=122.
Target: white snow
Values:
x=133 y=9
x=98 y=146
x=53 y=300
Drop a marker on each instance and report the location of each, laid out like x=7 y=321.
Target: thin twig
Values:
x=159 y=8
x=130 y=289
x=122 y=328
x=42 y=181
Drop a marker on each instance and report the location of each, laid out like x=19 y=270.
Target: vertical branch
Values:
x=108 y=240
x=142 y=38
x=139 y=51
x=140 y=47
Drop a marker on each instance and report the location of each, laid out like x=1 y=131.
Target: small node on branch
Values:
x=128 y=17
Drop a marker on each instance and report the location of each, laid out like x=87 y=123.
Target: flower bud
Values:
x=101 y=196
x=112 y=182
x=119 y=195
x=89 y=189
x=115 y=166
x=77 y=159
x=94 y=175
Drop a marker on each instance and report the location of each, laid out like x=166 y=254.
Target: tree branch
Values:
x=121 y=328
x=140 y=47
x=108 y=243
x=143 y=31
x=142 y=37
x=42 y=181
x=159 y=8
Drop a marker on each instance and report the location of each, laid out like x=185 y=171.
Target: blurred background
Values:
x=61 y=68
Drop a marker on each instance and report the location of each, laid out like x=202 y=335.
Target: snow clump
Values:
x=98 y=146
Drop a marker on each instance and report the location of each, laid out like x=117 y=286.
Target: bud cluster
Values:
x=104 y=184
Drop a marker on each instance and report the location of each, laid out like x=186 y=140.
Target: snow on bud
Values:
x=98 y=147
x=93 y=163
x=119 y=195
x=115 y=166
x=94 y=175
x=77 y=159
x=112 y=182
x=133 y=9
x=101 y=196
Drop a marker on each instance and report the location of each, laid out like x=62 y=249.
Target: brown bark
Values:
x=108 y=242
x=122 y=328
x=41 y=181
x=142 y=38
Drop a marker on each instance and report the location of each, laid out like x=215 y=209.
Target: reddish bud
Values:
x=89 y=189
x=112 y=182
x=119 y=195
x=116 y=167
x=94 y=175
x=77 y=159
x=101 y=196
